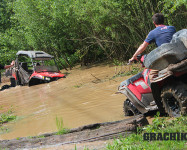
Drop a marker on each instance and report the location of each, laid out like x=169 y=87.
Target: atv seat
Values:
x=136 y=77
x=132 y=79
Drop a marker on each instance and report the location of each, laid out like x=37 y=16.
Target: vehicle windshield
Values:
x=38 y=65
x=42 y=68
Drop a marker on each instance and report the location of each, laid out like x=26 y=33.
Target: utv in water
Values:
x=34 y=67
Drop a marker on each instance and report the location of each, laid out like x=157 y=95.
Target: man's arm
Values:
x=8 y=66
x=141 y=48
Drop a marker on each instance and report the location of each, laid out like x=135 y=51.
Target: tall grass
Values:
x=60 y=126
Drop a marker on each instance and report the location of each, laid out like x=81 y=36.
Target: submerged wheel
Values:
x=5 y=87
x=129 y=109
x=174 y=99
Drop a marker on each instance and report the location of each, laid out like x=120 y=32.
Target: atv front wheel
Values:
x=129 y=109
x=174 y=99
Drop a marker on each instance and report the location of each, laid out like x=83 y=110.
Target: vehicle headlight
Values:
x=47 y=78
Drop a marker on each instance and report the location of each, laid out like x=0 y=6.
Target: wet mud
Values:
x=84 y=134
x=85 y=96
x=84 y=100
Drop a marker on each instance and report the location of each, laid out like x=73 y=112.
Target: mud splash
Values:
x=86 y=96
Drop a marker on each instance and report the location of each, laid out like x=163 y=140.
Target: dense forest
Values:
x=82 y=31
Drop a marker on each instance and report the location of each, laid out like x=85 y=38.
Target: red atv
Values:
x=34 y=67
x=139 y=94
x=168 y=91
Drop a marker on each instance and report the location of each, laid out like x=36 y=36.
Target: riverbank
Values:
x=123 y=134
x=84 y=134
x=164 y=133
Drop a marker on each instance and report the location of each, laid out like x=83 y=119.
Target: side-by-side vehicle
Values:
x=34 y=67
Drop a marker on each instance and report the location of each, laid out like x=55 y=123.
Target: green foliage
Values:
x=117 y=62
x=133 y=71
x=18 y=138
x=82 y=31
x=4 y=118
x=170 y=126
x=5 y=14
x=4 y=130
x=7 y=117
x=159 y=125
x=6 y=56
x=175 y=11
x=39 y=136
x=78 y=86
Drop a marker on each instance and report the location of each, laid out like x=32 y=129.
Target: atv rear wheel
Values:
x=174 y=99
x=129 y=109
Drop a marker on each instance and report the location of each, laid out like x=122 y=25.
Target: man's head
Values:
x=158 y=19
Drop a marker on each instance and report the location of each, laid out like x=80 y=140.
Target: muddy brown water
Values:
x=86 y=96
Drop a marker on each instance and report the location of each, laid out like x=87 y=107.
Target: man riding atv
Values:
x=163 y=83
x=160 y=35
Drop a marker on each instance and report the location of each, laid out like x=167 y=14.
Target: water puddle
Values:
x=86 y=96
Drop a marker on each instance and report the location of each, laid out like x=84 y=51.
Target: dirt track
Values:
x=88 y=133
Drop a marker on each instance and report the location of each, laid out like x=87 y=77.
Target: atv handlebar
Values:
x=140 y=58
x=129 y=63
